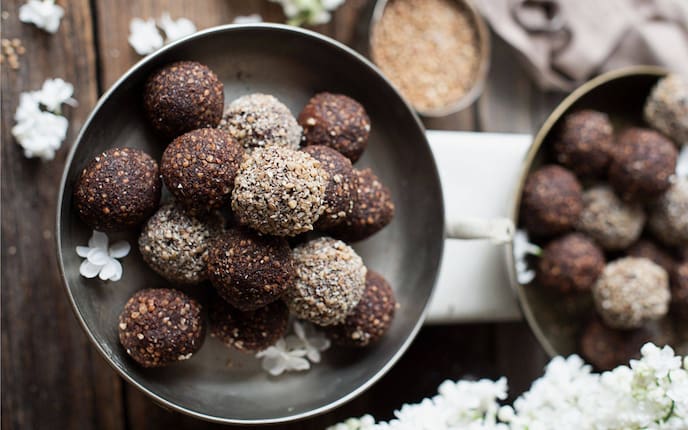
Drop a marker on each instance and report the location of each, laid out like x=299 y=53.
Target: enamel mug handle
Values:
x=497 y=230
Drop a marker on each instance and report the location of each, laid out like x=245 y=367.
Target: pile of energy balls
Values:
x=247 y=183
x=613 y=218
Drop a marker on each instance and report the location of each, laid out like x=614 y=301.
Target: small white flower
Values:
x=682 y=163
x=248 y=19
x=144 y=36
x=522 y=248
x=278 y=359
x=100 y=260
x=312 y=12
x=54 y=92
x=44 y=14
x=176 y=29
x=311 y=341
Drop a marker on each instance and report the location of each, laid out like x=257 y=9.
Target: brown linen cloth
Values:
x=565 y=42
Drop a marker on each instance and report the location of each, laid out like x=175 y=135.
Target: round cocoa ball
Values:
x=552 y=201
x=666 y=109
x=160 y=326
x=679 y=290
x=669 y=215
x=630 y=292
x=647 y=249
x=279 y=191
x=261 y=120
x=118 y=190
x=249 y=270
x=199 y=168
x=250 y=331
x=183 y=96
x=175 y=244
x=370 y=319
x=330 y=280
x=642 y=163
x=611 y=222
x=584 y=142
x=570 y=263
x=606 y=348
x=341 y=188
x=337 y=121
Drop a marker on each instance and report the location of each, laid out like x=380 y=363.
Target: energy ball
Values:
x=642 y=163
x=679 y=290
x=606 y=348
x=552 y=201
x=647 y=249
x=341 y=188
x=570 y=263
x=584 y=142
x=666 y=109
x=668 y=218
x=330 y=280
x=370 y=319
x=249 y=270
x=250 y=331
x=279 y=191
x=260 y=120
x=373 y=209
x=337 y=121
x=611 y=222
x=175 y=244
x=183 y=96
x=630 y=292
x=118 y=190
x=160 y=326
x=199 y=168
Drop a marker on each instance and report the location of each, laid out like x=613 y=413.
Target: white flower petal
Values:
x=297 y=363
x=44 y=14
x=274 y=365
x=54 y=92
x=313 y=355
x=248 y=19
x=98 y=257
x=321 y=343
x=144 y=36
x=98 y=240
x=89 y=270
x=120 y=249
x=82 y=251
x=175 y=30
x=299 y=330
x=112 y=269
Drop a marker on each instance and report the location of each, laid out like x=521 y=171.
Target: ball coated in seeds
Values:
x=175 y=244
x=611 y=222
x=370 y=319
x=679 y=290
x=330 y=281
x=261 y=120
x=666 y=109
x=642 y=163
x=118 y=190
x=606 y=348
x=631 y=292
x=250 y=331
x=161 y=326
x=249 y=270
x=279 y=191
x=552 y=201
x=337 y=121
x=668 y=218
x=341 y=188
x=648 y=249
x=584 y=142
x=199 y=169
x=570 y=263
x=183 y=96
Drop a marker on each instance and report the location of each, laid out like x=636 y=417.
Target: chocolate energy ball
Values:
x=647 y=249
x=373 y=209
x=611 y=222
x=260 y=120
x=250 y=331
x=160 y=326
x=570 y=263
x=341 y=188
x=642 y=163
x=630 y=292
x=552 y=201
x=370 y=319
x=249 y=270
x=175 y=244
x=679 y=290
x=330 y=280
x=606 y=348
x=337 y=121
x=666 y=109
x=183 y=96
x=584 y=142
x=668 y=219
x=118 y=190
x=279 y=191
x=199 y=168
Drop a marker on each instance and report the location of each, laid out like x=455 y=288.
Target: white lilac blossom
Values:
x=44 y=14
x=651 y=393
x=101 y=260
x=306 y=338
x=54 y=92
x=293 y=352
x=175 y=29
x=311 y=12
x=248 y=19
x=522 y=248
x=144 y=36
x=682 y=163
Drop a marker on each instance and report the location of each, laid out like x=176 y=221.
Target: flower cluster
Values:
x=310 y=12
x=651 y=393
x=522 y=249
x=44 y=14
x=294 y=352
x=145 y=37
x=101 y=259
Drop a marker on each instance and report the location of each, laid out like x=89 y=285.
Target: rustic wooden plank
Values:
x=51 y=376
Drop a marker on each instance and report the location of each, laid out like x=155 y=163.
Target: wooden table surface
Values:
x=51 y=376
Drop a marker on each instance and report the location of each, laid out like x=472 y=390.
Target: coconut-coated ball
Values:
x=570 y=263
x=630 y=292
x=669 y=215
x=606 y=348
x=161 y=326
x=175 y=244
x=584 y=142
x=666 y=109
x=647 y=249
x=183 y=96
x=118 y=190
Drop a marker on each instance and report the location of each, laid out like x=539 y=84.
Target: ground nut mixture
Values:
x=669 y=215
x=666 y=108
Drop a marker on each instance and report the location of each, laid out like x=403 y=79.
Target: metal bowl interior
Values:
x=291 y=64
